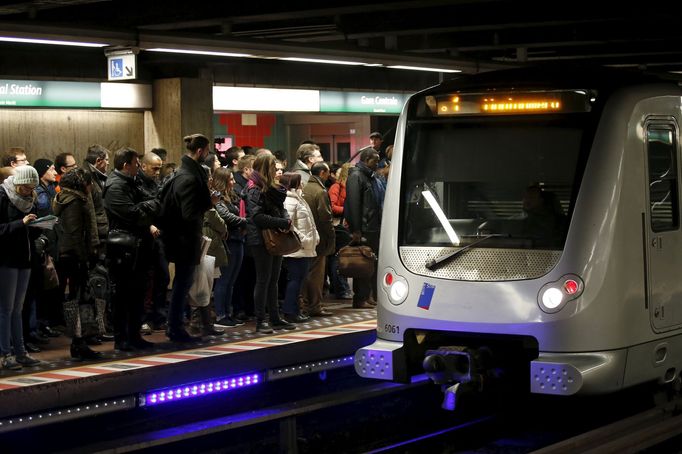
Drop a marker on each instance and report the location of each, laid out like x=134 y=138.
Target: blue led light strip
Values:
x=198 y=389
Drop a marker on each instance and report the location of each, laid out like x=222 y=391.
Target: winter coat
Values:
x=229 y=212
x=216 y=230
x=16 y=239
x=300 y=168
x=303 y=222
x=318 y=200
x=361 y=208
x=337 y=196
x=99 y=179
x=127 y=208
x=184 y=200
x=264 y=210
x=78 y=236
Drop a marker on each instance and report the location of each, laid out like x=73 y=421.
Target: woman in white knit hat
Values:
x=17 y=210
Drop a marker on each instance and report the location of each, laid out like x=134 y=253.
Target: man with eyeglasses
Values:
x=63 y=163
x=15 y=157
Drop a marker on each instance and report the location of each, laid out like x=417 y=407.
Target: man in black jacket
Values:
x=131 y=214
x=184 y=200
x=362 y=210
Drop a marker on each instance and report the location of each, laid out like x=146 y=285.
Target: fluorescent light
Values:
x=198 y=52
x=421 y=68
x=454 y=239
x=315 y=60
x=55 y=42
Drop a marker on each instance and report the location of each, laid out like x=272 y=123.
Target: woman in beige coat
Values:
x=297 y=263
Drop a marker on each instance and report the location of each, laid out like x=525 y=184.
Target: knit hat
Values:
x=25 y=175
x=376 y=134
x=41 y=166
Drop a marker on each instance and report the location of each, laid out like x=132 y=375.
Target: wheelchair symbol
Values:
x=116 y=69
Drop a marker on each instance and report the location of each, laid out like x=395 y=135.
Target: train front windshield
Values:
x=510 y=179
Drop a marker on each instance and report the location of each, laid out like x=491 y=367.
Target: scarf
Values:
x=23 y=204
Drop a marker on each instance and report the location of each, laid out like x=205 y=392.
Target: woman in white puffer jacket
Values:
x=297 y=264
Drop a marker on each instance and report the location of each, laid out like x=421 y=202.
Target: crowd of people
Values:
x=91 y=249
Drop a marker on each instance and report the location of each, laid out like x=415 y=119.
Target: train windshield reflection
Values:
x=512 y=177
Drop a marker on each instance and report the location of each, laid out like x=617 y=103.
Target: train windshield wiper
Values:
x=434 y=264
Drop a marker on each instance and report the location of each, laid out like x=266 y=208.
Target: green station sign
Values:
x=361 y=102
x=24 y=93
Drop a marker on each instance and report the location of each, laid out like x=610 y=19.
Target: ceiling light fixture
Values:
x=54 y=42
x=316 y=60
x=197 y=52
x=422 y=68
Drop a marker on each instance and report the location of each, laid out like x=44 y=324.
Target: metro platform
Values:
x=122 y=380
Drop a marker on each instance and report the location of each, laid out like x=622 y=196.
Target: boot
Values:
x=72 y=318
x=195 y=321
x=207 y=328
x=80 y=350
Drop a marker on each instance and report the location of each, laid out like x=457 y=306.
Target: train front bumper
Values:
x=550 y=373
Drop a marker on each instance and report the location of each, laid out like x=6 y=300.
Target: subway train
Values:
x=531 y=235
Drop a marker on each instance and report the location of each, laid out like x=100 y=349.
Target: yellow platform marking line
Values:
x=123 y=365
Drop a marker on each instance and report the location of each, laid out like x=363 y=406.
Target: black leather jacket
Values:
x=126 y=206
x=361 y=208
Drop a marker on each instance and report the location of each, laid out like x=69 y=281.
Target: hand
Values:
x=356 y=237
x=29 y=217
x=215 y=198
x=154 y=231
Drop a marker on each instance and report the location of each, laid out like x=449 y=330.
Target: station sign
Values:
x=361 y=102
x=122 y=67
x=58 y=94
x=32 y=93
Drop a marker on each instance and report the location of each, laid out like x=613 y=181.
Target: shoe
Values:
x=51 y=332
x=124 y=346
x=211 y=330
x=27 y=361
x=321 y=313
x=37 y=338
x=362 y=305
x=106 y=337
x=226 y=322
x=282 y=324
x=31 y=348
x=10 y=363
x=238 y=321
x=296 y=318
x=371 y=301
x=141 y=344
x=93 y=340
x=345 y=296
x=81 y=352
x=263 y=328
x=182 y=336
x=146 y=330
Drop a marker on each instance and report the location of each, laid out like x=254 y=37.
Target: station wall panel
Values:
x=46 y=133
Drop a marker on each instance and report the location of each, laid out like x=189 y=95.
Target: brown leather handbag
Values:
x=281 y=243
x=356 y=261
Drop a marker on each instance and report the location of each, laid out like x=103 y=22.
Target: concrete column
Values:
x=182 y=106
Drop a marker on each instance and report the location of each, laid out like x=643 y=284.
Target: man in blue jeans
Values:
x=184 y=199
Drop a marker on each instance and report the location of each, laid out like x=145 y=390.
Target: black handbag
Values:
x=281 y=243
x=122 y=248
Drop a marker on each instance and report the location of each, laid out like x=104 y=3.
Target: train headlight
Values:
x=553 y=296
x=395 y=286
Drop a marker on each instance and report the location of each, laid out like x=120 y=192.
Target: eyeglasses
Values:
x=71 y=166
x=22 y=160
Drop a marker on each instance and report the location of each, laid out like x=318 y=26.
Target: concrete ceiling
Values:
x=469 y=35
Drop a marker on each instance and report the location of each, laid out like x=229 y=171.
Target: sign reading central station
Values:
x=361 y=102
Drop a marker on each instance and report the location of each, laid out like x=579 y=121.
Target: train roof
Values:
x=557 y=76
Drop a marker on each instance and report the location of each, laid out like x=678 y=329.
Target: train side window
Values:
x=663 y=180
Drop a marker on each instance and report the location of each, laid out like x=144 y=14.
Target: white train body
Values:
x=608 y=152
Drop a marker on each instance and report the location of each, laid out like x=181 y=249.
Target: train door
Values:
x=664 y=238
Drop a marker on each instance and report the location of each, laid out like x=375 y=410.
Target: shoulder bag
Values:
x=356 y=261
x=281 y=243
